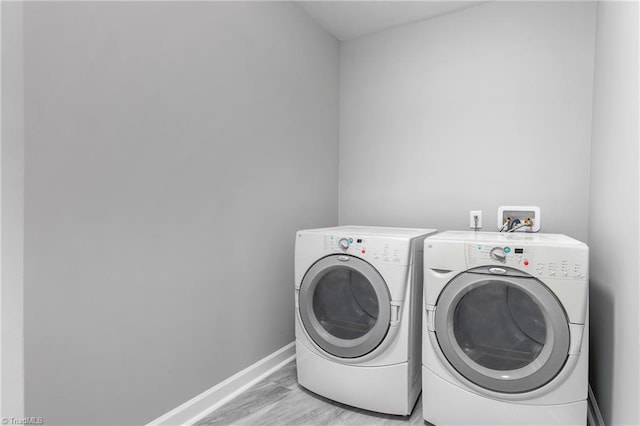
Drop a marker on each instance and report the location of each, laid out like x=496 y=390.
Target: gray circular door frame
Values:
x=344 y=348
x=530 y=377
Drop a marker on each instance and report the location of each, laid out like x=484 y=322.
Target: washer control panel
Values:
x=395 y=252
x=544 y=262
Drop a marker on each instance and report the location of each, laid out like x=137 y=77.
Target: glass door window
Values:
x=344 y=306
x=506 y=334
x=499 y=326
x=345 y=303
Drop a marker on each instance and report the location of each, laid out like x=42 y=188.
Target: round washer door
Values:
x=345 y=306
x=506 y=333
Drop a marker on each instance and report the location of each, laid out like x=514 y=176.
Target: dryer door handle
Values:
x=576 y=332
x=431 y=313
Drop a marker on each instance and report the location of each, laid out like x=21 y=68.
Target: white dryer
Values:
x=358 y=315
x=505 y=339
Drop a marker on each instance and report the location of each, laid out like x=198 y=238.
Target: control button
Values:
x=343 y=243
x=552 y=273
x=526 y=263
x=507 y=250
x=350 y=240
x=364 y=251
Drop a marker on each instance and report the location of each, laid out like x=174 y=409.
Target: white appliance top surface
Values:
x=374 y=231
x=508 y=237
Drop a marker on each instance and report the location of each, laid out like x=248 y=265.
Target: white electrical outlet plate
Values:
x=472 y=219
x=520 y=212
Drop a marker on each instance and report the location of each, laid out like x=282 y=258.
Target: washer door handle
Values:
x=343 y=258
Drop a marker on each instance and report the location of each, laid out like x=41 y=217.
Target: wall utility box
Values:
x=523 y=214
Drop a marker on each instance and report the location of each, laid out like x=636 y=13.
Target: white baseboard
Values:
x=211 y=399
x=594 y=417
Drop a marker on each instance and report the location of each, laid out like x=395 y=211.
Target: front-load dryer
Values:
x=358 y=315
x=505 y=339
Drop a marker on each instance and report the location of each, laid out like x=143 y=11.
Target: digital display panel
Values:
x=519 y=251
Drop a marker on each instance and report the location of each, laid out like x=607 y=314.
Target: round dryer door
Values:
x=505 y=333
x=345 y=306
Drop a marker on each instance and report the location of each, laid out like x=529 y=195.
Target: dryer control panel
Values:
x=544 y=262
x=372 y=249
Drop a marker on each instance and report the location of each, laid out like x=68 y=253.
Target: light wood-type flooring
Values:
x=280 y=400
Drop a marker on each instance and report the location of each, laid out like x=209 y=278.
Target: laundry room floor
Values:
x=279 y=400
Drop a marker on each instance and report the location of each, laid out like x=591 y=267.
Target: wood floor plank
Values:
x=280 y=400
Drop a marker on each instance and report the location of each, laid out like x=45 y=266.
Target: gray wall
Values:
x=613 y=216
x=12 y=213
x=172 y=151
x=484 y=107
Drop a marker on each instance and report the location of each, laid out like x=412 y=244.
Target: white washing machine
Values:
x=505 y=338
x=358 y=315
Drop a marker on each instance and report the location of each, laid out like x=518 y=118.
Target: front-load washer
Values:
x=505 y=339
x=358 y=315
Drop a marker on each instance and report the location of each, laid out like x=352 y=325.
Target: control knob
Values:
x=343 y=243
x=498 y=254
